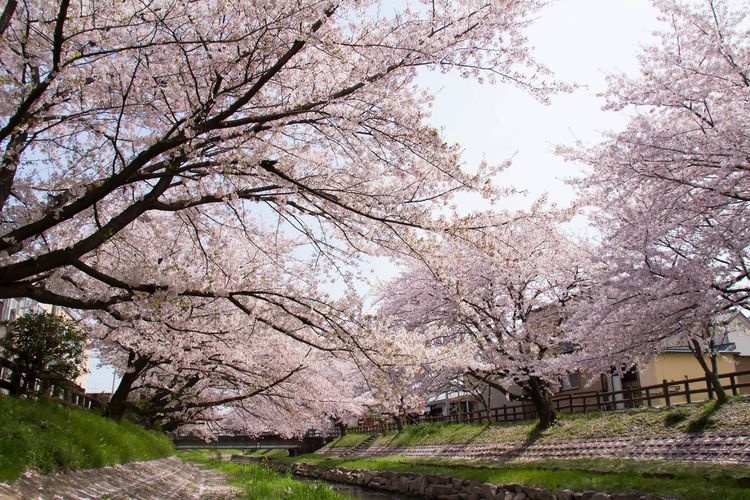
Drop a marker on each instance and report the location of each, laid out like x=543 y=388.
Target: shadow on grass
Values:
x=702 y=421
x=516 y=451
x=676 y=415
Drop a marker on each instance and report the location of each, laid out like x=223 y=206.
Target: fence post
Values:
x=709 y=387
x=570 y=403
x=505 y=413
x=733 y=385
x=648 y=397
x=665 y=389
x=598 y=402
x=688 y=397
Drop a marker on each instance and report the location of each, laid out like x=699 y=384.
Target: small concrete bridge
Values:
x=296 y=446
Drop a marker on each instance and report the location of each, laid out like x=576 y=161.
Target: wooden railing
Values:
x=67 y=393
x=514 y=413
x=668 y=393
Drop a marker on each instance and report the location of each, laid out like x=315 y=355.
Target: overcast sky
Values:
x=581 y=41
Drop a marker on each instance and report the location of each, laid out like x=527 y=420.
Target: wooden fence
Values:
x=668 y=393
x=68 y=393
x=503 y=414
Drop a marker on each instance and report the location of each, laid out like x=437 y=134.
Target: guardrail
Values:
x=668 y=393
x=68 y=393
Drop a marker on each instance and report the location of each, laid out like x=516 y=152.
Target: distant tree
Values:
x=43 y=348
x=501 y=298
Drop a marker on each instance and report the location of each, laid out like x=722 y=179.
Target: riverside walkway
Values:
x=164 y=478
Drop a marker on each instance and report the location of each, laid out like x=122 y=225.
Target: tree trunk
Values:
x=399 y=423
x=340 y=427
x=712 y=372
x=540 y=398
x=29 y=384
x=119 y=402
x=15 y=381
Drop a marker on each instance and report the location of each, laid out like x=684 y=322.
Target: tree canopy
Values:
x=43 y=349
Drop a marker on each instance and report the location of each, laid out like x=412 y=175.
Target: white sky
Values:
x=581 y=41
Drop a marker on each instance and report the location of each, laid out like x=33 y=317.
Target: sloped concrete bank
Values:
x=693 y=448
x=163 y=478
x=435 y=486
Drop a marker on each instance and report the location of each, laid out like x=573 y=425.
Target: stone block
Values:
x=367 y=477
x=417 y=485
x=441 y=489
x=538 y=494
x=378 y=483
x=487 y=491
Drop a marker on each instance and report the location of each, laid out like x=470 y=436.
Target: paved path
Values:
x=155 y=479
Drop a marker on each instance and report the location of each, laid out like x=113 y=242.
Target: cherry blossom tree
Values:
x=306 y=112
x=501 y=297
x=162 y=157
x=673 y=187
x=177 y=371
x=406 y=367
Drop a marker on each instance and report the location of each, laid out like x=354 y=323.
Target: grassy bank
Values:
x=259 y=482
x=675 y=479
x=732 y=418
x=611 y=476
x=46 y=436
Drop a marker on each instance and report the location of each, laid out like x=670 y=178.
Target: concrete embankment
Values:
x=688 y=448
x=434 y=486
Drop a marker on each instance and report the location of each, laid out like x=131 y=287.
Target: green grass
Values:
x=257 y=481
x=676 y=480
x=46 y=436
x=350 y=439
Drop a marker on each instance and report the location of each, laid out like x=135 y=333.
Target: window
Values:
x=570 y=381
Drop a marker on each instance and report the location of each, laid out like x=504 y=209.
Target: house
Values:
x=674 y=364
